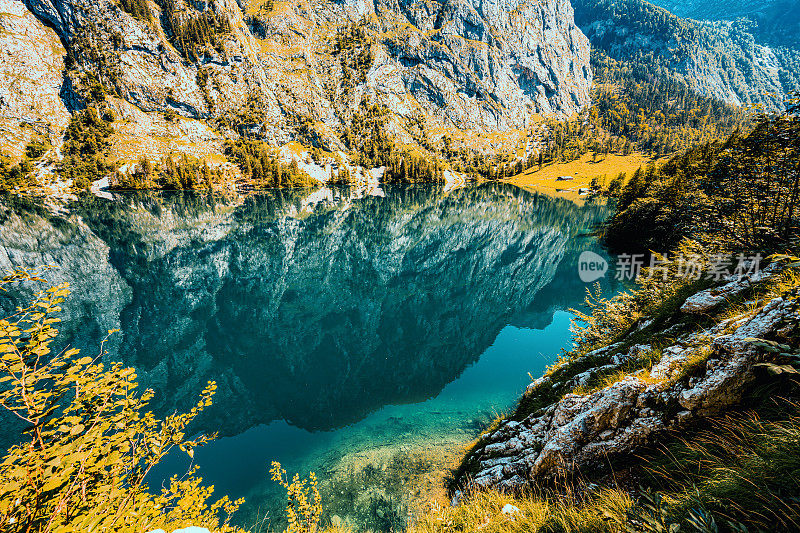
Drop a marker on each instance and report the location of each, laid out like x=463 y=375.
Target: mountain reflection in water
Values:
x=312 y=311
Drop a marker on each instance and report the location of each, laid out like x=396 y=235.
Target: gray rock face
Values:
x=581 y=431
x=31 y=78
x=465 y=64
x=144 y=71
x=495 y=63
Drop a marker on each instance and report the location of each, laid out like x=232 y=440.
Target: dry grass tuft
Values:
x=484 y=511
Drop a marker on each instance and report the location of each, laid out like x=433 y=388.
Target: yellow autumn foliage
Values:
x=89 y=443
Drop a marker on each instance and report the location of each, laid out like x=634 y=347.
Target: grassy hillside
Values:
x=587 y=172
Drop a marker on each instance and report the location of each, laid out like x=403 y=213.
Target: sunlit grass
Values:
x=484 y=511
x=742 y=468
x=582 y=170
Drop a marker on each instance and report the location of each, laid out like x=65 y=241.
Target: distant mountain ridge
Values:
x=726 y=9
x=777 y=22
x=720 y=59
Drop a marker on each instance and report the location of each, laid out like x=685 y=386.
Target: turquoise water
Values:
x=363 y=335
x=490 y=386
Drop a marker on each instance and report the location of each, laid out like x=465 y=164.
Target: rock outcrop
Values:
x=709 y=299
x=31 y=78
x=461 y=63
x=700 y=374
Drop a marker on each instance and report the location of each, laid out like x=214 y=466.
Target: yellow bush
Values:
x=304 y=504
x=89 y=443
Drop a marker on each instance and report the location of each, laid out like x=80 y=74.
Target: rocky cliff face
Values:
x=31 y=78
x=461 y=63
x=699 y=372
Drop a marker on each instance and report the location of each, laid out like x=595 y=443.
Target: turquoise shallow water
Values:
x=364 y=335
x=490 y=386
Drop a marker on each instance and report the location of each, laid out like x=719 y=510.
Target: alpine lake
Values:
x=367 y=336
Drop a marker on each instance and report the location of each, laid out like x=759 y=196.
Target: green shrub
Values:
x=36 y=148
x=18 y=177
x=261 y=167
x=86 y=145
x=372 y=146
x=81 y=184
x=743 y=192
x=194 y=35
x=185 y=173
x=352 y=46
x=139 y=9
x=13 y=177
x=303 y=502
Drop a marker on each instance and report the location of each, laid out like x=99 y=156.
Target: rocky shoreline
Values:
x=698 y=363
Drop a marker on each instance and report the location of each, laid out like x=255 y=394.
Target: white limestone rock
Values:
x=707 y=300
x=464 y=63
x=31 y=78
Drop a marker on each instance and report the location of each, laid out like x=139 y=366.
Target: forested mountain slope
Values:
x=172 y=87
x=719 y=59
x=775 y=21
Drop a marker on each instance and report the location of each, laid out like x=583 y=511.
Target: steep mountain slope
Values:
x=183 y=77
x=281 y=66
x=775 y=21
x=718 y=59
x=31 y=70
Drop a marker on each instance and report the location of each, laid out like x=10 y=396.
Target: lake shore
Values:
x=577 y=175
